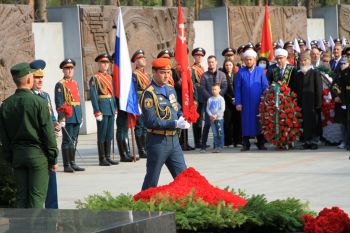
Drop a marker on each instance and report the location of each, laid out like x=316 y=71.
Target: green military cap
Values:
x=20 y=70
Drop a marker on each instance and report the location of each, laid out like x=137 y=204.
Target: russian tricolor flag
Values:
x=122 y=72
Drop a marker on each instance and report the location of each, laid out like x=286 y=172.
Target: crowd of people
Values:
x=227 y=100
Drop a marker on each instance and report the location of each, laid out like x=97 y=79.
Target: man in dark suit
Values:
x=335 y=64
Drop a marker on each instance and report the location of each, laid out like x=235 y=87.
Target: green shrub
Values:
x=192 y=214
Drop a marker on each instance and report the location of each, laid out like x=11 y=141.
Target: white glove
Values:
x=99 y=118
x=63 y=124
x=187 y=125
x=182 y=123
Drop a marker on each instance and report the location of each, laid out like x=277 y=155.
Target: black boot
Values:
x=127 y=149
x=107 y=147
x=101 y=154
x=246 y=144
x=66 y=159
x=141 y=147
x=72 y=161
x=261 y=142
x=122 y=153
x=197 y=134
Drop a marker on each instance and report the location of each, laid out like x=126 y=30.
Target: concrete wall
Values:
x=316 y=29
x=330 y=16
x=204 y=31
x=48 y=39
x=220 y=26
x=69 y=16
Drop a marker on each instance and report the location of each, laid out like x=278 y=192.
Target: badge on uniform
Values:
x=172 y=98
x=59 y=90
x=148 y=103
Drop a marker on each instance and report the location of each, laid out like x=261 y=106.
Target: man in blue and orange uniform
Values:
x=39 y=66
x=162 y=116
x=68 y=107
x=142 y=80
x=102 y=100
x=197 y=71
x=167 y=54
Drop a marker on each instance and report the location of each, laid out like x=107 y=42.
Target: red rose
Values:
x=271 y=95
x=294 y=95
x=290 y=116
x=282 y=115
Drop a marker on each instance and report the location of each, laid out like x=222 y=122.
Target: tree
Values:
x=167 y=3
x=40 y=13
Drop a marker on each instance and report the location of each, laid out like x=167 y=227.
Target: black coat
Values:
x=308 y=87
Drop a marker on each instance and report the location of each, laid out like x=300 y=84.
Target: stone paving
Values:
x=321 y=177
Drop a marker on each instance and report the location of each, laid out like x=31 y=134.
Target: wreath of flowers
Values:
x=333 y=220
x=280 y=115
x=328 y=104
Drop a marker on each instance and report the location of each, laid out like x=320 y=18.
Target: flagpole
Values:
x=132 y=127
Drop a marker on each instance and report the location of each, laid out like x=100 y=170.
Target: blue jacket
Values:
x=160 y=108
x=101 y=103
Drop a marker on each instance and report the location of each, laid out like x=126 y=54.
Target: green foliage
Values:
x=7 y=184
x=192 y=214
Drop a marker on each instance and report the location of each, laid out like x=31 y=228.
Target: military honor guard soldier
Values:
x=162 y=116
x=28 y=139
x=39 y=66
x=68 y=107
x=198 y=70
x=103 y=103
x=142 y=80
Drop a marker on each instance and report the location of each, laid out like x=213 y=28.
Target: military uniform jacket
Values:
x=67 y=94
x=46 y=97
x=26 y=125
x=197 y=72
x=101 y=94
x=160 y=107
x=344 y=84
x=141 y=80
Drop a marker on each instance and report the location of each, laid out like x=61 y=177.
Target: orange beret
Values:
x=161 y=63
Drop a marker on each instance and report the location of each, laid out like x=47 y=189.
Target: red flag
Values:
x=266 y=37
x=188 y=107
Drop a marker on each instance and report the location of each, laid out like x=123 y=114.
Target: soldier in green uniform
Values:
x=103 y=103
x=142 y=80
x=28 y=138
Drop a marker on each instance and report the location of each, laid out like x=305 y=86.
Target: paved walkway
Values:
x=321 y=177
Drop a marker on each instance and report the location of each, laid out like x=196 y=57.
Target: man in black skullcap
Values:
x=28 y=139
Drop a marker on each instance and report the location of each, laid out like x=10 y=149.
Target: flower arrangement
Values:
x=280 y=116
x=333 y=220
x=190 y=180
x=215 y=211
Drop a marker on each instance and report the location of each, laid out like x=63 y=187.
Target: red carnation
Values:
x=290 y=115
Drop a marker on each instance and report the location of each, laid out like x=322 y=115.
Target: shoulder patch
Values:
x=148 y=103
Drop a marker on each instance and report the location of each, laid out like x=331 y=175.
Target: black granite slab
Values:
x=84 y=221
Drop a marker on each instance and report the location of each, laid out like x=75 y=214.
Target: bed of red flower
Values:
x=191 y=181
x=333 y=220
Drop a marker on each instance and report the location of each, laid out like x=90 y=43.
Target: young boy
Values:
x=215 y=109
